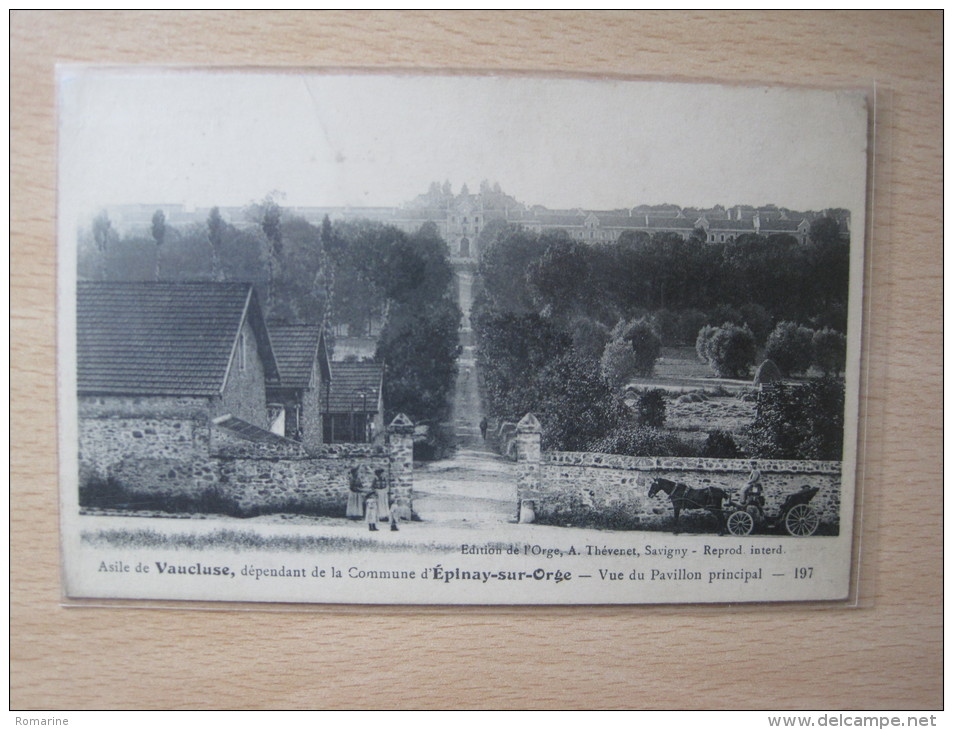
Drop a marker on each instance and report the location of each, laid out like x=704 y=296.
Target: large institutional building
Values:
x=462 y=216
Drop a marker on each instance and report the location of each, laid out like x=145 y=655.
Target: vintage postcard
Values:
x=451 y=339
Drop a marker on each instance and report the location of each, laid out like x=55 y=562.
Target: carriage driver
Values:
x=753 y=492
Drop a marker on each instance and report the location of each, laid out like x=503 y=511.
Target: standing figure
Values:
x=483 y=427
x=355 y=495
x=370 y=511
x=379 y=486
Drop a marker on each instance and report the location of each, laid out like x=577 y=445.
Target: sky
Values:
x=203 y=138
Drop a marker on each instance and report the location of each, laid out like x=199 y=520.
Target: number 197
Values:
x=803 y=573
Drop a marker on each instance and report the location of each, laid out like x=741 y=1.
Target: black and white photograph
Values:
x=331 y=337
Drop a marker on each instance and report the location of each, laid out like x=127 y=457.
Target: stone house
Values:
x=354 y=406
x=174 y=386
x=159 y=363
x=294 y=401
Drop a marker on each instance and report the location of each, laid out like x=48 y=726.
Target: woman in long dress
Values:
x=383 y=499
x=355 y=496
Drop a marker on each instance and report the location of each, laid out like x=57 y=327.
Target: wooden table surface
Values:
x=885 y=654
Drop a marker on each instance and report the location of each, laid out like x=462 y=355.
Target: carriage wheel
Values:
x=740 y=523
x=801 y=521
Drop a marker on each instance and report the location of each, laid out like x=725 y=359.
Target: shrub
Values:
x=631 y=440
x=790 y=347
x=830 y=351
x=799 y=421
x=731 y=351
x=650 y=410
x=589 y=337
x=646 y=345
x=703 y=342
x=617 y=364
x=721 y=445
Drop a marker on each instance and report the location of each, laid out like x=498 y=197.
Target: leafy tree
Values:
x=830 y=351
x=102 y=235
x=703 y=342
x=102 y=231
x=790 y=347
x=216 y=241
x=650 y=409
x=573 y=404
x=617 y=364
x=758 y=320
x=646 y=345
x=589 y=337
x=158 y=235
x=799 y=421
x=513 y=348
x=418 y=345
x=559 y=278
x=825 y=230
x=506 y=258
x=267 y=214
x=731 y=351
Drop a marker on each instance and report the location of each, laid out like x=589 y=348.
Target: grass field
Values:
x=679 y=371
x=724 y=413
x=228 y=539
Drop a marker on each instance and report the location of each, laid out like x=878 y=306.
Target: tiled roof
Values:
x=724 y=225
x=780 y=225
x=560 y=220
x=145 y=338
x=295 y=347
x=621 y=221
x=670 y=223
x=349 y=380
x=249 y=432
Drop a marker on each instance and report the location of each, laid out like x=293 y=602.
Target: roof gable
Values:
x=351 y=382
x=158 y=338
x=296 y=346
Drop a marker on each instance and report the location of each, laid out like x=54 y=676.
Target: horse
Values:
x=685 y=497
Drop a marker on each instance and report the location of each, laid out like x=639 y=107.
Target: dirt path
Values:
x=476 y=485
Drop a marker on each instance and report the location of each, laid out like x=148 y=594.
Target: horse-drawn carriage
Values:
x=795 y=515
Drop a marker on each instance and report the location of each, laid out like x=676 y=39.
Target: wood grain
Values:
x=886 y=654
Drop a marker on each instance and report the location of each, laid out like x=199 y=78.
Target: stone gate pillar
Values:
x=528 y=476
x=400 y=440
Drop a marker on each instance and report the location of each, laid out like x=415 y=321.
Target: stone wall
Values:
x=304 y=484
x=165 y=428
x=175 y=456
x=607 y=490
